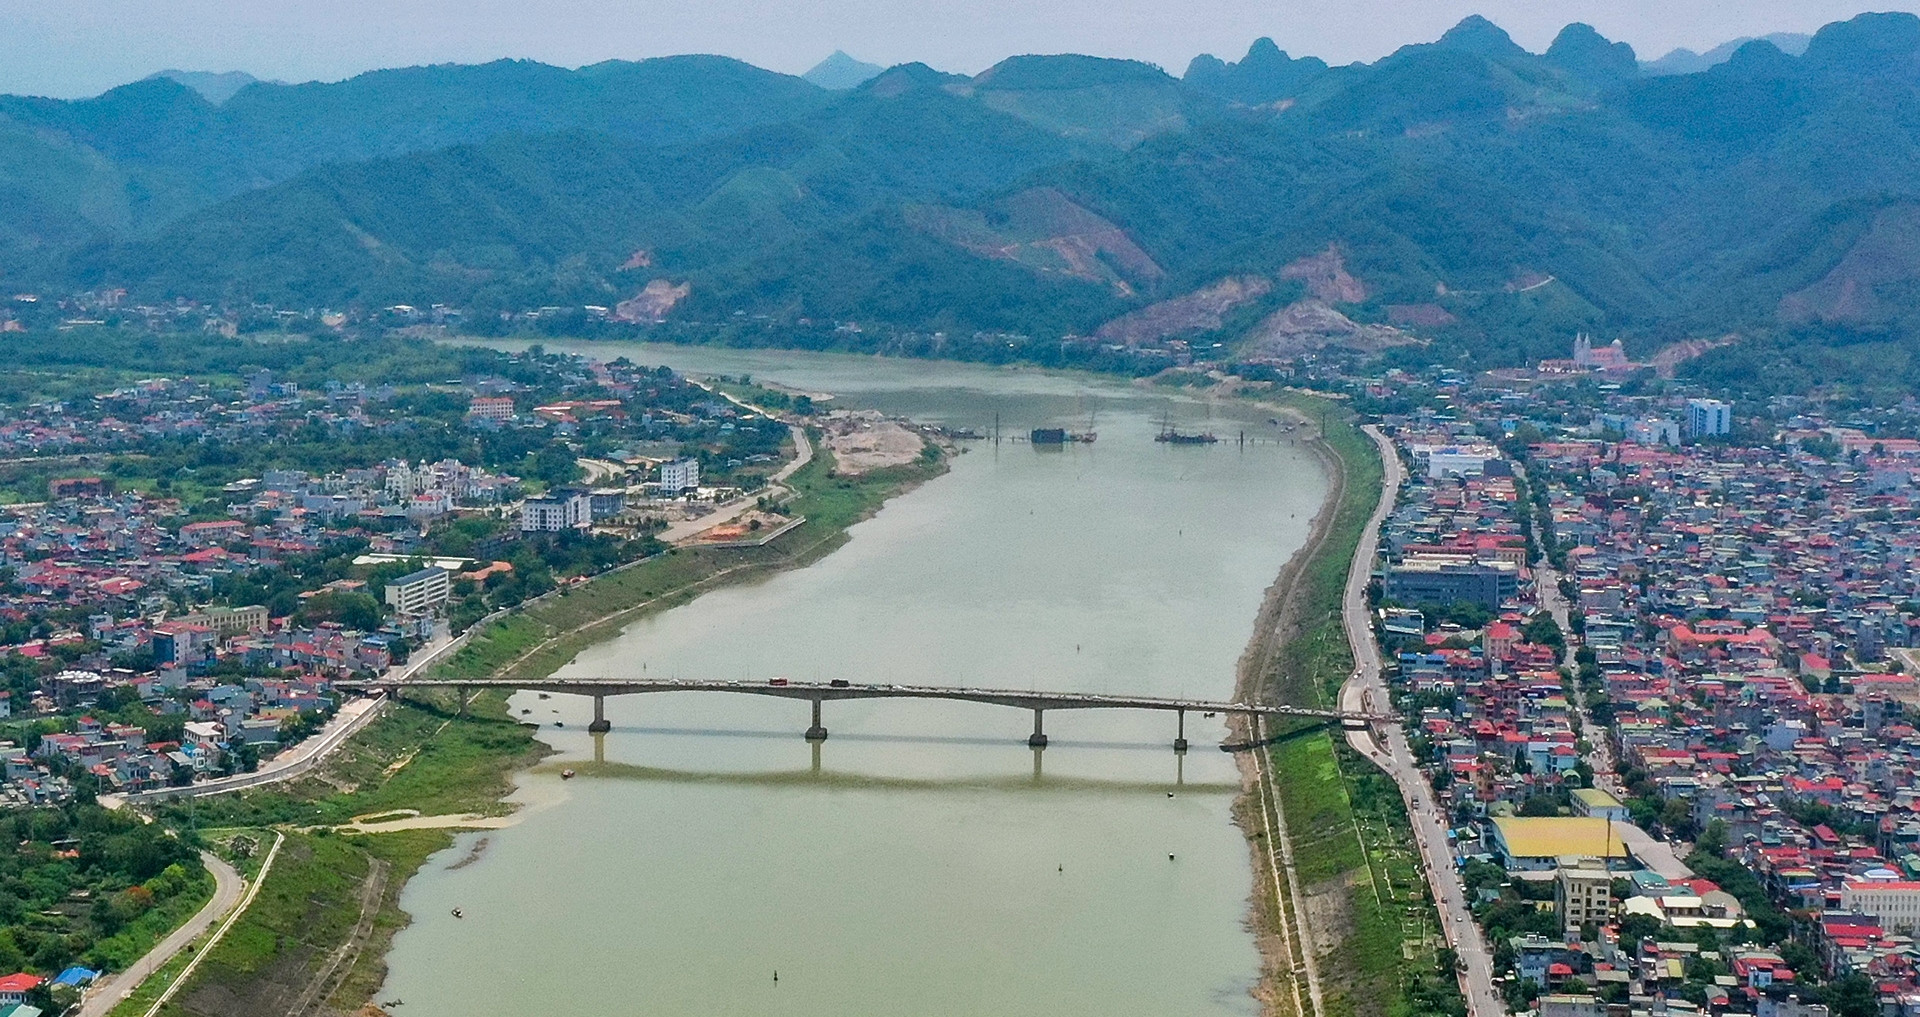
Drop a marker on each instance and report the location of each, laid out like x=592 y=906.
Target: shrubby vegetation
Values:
x=82 y=885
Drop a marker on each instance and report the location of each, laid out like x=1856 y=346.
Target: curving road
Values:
x=687 y=529
x=1366 y=691
x=227 y=888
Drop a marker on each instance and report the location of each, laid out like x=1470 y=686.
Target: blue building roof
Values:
x=75 y=976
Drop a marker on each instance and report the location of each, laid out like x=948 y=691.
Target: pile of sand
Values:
x=868 y=441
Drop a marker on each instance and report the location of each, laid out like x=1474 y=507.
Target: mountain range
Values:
x=1686 y=61
x=1463 y=199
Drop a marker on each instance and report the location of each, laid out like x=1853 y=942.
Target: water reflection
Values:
x=924 y=860
x=817 y=773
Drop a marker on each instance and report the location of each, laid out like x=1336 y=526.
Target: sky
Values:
x=72 y=48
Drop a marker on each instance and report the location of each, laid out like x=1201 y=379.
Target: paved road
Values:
x=227 y=888
x=288 y=764
x=298 y=759
x=1600 y=751
x=1367 y=691
x=1546 y=583
x=687 y=529
x=253 y=890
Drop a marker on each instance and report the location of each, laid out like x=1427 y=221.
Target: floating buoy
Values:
x=458 y=914
x=1169 y=858
x=776 y=976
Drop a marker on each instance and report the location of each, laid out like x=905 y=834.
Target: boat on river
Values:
x=1170 y=435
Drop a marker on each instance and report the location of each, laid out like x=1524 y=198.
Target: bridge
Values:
x=820 y=692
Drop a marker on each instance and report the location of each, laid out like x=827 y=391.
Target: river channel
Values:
x=922 y=860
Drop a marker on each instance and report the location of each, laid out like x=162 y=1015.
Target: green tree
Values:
x=555 y=465
x=1853 y=995
x=353 y=609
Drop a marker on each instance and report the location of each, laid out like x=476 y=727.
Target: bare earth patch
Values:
x=865 y=441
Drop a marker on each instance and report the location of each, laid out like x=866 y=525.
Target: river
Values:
x=922 y=860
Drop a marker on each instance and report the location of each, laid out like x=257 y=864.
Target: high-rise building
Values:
x=1708 y=417
x=562 y=509
x=679 y=475
x=418 y=593
x=1582 y=893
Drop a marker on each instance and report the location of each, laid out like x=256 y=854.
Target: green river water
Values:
x=922 y=860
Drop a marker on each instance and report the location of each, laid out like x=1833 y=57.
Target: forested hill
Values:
x=1464 y=194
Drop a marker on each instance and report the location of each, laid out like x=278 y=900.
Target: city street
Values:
x=1366 y=690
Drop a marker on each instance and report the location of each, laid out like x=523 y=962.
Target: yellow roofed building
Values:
x=1536 y=844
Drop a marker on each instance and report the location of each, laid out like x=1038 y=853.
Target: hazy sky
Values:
x=81 y=47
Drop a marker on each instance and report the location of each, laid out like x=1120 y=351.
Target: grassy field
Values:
x=313 y=939
x=1350 y=834
x=418 y=755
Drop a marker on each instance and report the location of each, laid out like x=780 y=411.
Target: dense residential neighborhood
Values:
x=1657 y=662
x=162 y=623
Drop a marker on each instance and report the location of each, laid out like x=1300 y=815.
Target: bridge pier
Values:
x=600 y=724
x=818 y=732
x=1038 y=740
x=1180 y=736
x=462 y=693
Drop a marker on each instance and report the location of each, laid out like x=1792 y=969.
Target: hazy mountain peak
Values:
x=840 y=72
x=1066 y=70
x=1686 y=61
x=1475 y=34
x=1263 y=50
x=1205 y=68
x=214 y=86
x=1582 y=51
x=908 y=77
x=1757 y=59
x=1868 y=45
x=1266 y=74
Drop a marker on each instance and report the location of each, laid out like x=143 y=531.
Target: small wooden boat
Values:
x=566 y=774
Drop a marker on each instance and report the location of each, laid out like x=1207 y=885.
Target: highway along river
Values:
x=925 y=861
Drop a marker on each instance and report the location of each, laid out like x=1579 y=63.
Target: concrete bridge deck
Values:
x=819 y=692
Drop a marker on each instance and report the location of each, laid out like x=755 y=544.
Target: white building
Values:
x=561 y=510
x=679 y=475
x=430 y=504
x=401 y=482
x=1896 y=904
x=1706 y=417
x=418 y=593
x=1459 y=460
x=495 y=408
x=1582 y=893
